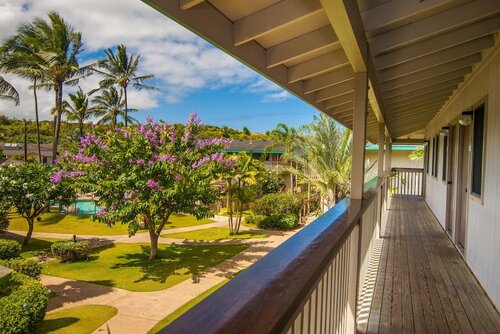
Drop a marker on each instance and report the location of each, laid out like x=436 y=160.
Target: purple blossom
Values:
x=201 y=162
x=91 y=139
x=102 y=212
x=153 y=185
x=76 y=173
x=126 y=134
x=177 y=177
x=200 y=143
x=85 y=159
x=167 y=157
x=149 y=119
x=58 y=176
x=140 y=162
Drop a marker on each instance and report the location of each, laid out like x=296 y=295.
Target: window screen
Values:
x=445 y=157
x=436 y=156
x=477 y=150
x=427 y=157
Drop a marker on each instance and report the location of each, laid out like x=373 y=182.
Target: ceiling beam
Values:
x=339 y=100
x=333 y=91
x=346 y=22
x=419 y=95
x=342 y=109
x=397 y=12
x=438 y=58
x=423 y=109
x=432 y=72
x=424 y=106
x=412 y=102
x=438 y=43
x=317 y=66
x=328 y=79
x=430 y=26
x=187 y=4
x=434 y=80
x=269 y=19
x=421 y=88
x=315 y=41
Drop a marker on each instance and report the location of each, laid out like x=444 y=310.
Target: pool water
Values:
x=84 y=207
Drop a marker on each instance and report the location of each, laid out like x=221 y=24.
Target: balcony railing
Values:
x=407 y=181
x=309 y=284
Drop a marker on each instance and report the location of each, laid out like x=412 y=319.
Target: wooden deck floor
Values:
x=423 y=284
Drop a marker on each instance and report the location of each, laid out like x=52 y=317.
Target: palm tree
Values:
x=60 y=46
x=111 y=105
x=323 y=158
x=8 y=92
x=78 y=109
x=121 y=69
x=20 y=57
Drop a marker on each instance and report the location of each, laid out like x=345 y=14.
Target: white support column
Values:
x=381 y=149
x=388 y=158
x=359 y=135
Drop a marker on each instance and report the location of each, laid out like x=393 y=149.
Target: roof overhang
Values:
x=416 y=53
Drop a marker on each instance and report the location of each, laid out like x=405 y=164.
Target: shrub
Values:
x=28 y=267
x=254 y=219
x=9 y=249
x=279 y=222
x=71 y=251
x=22 y=305
x=277 y=204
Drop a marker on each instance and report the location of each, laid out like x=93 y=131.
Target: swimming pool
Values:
x=83 y=207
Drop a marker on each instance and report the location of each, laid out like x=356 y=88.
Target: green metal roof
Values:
x=394 y=147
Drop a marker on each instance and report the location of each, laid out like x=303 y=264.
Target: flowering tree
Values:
x=28 y=188
x=148 y=172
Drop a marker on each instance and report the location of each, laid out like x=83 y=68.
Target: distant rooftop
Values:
x=255 y=146
x=9 y=149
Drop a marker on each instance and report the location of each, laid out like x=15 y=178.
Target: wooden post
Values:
x=388 y=155
x=381 y=149
x=359 y=135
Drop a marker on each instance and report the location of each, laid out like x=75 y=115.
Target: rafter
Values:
x=310 y=43
x=339 y=100
x=421 y=88
x=438 y=58
x=328 y=79
x=187 y=4
x=454 y=18
x=438 y=43
x=333 y=91
x=318 y=65
x=431 y=98
x=419 y=95
x=277 y=16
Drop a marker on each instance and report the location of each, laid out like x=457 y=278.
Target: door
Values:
x=463 y=185
x=449 y=179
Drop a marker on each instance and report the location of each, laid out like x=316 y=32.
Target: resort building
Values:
x=414 y=251
x=14 y=153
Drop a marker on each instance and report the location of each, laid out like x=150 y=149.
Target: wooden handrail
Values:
x=401 y=169
x=264 y=297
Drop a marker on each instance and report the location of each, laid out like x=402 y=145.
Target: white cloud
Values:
x=181 y=61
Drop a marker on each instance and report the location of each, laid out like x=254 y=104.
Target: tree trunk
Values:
x=40 y=158
x=55 y=142
x=30 y=231
x=25 y=144
x=154 y=243
x=80 y=125
x=126 y=105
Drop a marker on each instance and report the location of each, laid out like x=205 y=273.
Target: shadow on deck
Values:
x=423 y=284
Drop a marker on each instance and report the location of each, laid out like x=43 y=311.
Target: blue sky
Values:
x=191 y=74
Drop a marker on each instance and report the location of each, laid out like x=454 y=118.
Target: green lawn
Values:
x=213 y=233
x=127 y=266
x=82 y=224
x=184 y=308
x=77 y=320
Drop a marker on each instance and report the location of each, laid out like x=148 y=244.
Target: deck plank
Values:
x=424 y=285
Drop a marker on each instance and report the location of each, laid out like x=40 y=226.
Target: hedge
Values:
x=71 y=251
x=277 y=204
x=22 y=305
x=28 y=267
x=9 y=249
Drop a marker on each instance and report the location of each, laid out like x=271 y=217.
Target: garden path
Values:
x=140 y=311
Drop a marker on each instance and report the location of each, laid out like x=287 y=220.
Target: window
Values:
x=427 y=157
x=445 y=158
x=435 y=153
x=477 y=150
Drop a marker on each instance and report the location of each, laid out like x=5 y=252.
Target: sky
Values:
x=191 y=74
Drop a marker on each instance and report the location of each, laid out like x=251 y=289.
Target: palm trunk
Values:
x=55 y=143
x=30 y=231
x=40 y=159
x=126 y=105
x=80 y=125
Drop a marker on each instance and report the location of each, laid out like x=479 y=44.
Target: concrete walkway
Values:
x=138 y=312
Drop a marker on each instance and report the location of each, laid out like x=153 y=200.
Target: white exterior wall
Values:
x=482 y=250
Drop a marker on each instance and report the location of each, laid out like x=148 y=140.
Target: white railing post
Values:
x=359 y=135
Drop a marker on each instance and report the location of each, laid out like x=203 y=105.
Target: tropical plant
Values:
x=121 y=69
x=8 y=92
x=238 y=180
x=143 y=174
x=417 y=154
x=29 y=190
x=322 y=158
x=54 y=60
x=78 y=109
x=110 y=105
